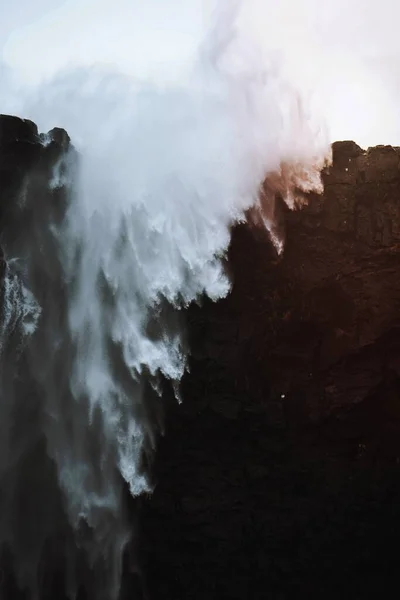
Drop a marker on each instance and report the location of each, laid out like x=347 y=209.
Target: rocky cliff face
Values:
x=33 y=525
x=279 y=474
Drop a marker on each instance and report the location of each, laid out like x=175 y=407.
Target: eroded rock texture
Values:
x=279 y=476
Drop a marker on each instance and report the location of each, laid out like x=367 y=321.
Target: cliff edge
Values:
x=279 y=474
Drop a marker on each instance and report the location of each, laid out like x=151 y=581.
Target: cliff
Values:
x=279 y=474
x=33 y=524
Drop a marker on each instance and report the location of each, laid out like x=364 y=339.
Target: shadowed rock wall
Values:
x=279 y=474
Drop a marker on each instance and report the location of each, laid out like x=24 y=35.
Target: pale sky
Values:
x=141 y=36
x=347 y=52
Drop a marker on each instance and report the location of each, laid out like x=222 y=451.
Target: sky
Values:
x=143 y=37
x=347 y=53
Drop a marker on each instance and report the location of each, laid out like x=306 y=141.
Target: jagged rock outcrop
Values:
x=30 y=164
x=279 y=475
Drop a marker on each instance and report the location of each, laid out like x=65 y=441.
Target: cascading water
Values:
x=127 y=234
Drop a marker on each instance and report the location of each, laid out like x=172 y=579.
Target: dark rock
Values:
x=16 y=129
x=60 y=136
x=294 y=489
x=279 y=474
x=32 y=499
x=28 y=162
x=3 y=264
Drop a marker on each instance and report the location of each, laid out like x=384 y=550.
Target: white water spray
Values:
x=164 y=173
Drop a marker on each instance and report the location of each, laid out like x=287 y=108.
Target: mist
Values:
x=178 y=116
x=344 y=56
